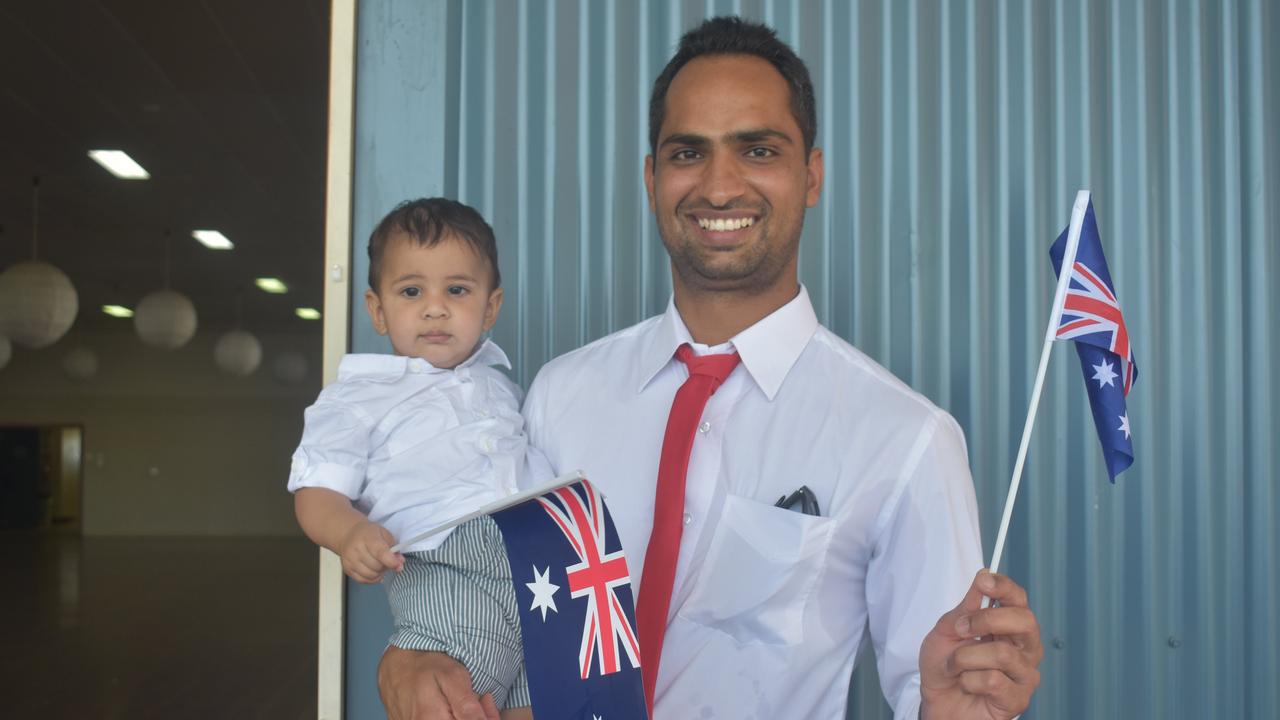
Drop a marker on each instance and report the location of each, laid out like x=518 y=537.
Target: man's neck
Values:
x=715 y=317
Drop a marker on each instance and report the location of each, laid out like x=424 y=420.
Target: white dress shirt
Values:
x=769 y=605
x=413 y=445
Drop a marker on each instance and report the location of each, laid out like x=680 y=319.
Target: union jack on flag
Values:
x=1090 y=315
x=577 y=617
x=596 y=576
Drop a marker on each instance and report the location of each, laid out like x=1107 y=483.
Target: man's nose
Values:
x=722 y=182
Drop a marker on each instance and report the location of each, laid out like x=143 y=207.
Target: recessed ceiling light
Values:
x=119 y=311
x=272 y=285
x=119 y=164
x=212 y=239
x=307 y=313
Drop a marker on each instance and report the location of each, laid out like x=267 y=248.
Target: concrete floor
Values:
x=156 y=627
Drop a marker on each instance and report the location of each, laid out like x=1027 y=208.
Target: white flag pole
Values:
x=1059 y=297
x=493 y=507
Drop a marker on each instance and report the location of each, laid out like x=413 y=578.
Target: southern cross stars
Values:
x=1104 y=373
x=544 y=592
x=1124 y=425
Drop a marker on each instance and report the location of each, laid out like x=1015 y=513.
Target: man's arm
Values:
x=982 y=663
x=927 y=549
x=429 y=686
x=927 y=546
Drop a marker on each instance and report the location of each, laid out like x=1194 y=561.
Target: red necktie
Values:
x=705 y=375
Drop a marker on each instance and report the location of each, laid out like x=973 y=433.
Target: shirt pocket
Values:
x=761 y=568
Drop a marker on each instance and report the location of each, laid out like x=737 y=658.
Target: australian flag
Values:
x=576 y=612
x=1091 y=317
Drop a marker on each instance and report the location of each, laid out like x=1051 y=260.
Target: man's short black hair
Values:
x=428 y=221
x=734 y=36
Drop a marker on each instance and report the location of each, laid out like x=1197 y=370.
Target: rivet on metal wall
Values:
x=1174 y=642
x=1058 y=643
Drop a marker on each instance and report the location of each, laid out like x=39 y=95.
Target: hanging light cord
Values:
x=35 y=218
x=167 y=259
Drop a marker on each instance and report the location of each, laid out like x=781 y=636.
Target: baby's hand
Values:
x=366 y=553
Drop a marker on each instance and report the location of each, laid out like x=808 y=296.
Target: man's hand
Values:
x=429 y=686
x=981 y=664
x=366 y=552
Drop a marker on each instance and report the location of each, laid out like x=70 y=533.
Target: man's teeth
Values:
x=722 y=225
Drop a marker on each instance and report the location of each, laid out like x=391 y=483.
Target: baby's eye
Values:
x=458 y=290
x=411 y=292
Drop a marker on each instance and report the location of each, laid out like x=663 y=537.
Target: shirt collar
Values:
x=768 y=348
x=391 y=367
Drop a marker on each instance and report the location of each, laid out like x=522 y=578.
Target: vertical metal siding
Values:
x=956 y=134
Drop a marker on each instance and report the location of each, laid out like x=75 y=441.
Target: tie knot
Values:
x=717 y=367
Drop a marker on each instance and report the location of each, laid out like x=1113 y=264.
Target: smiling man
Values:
x=695 y=422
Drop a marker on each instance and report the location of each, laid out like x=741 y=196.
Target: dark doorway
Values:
x=40 y=476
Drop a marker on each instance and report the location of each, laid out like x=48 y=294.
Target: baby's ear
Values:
x=491 y=308
x=373 y=304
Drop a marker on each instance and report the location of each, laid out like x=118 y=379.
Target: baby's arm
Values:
x=328 y=518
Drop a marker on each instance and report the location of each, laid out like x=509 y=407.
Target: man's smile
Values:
x=725 y=224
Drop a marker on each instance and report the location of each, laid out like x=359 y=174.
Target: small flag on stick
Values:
x=1085 y=309
x=1090 y=315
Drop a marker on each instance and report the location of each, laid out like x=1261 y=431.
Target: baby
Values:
x=404 y=443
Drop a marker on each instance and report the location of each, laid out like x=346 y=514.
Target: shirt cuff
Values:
x=338 y=478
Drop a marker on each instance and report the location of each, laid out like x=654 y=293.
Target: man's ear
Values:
x=491 y=308
x=373 y=304
x=813 y=181
x=648 y=182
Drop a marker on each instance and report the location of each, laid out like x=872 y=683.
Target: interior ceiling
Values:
x=224 y=102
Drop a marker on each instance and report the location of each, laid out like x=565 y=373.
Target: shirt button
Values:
x=488 y=444
x=704 y=427
x=688 y=518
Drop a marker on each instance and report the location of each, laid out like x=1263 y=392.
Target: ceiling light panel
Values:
x=307 y=313
x=119 y=311
x=118 y=163
x=212 y=239
x=272 y=285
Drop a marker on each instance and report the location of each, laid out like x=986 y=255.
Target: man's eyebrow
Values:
x=756 y=135
x=740 y=137
x=686 y=139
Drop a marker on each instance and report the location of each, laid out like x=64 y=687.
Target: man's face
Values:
x=729 y=182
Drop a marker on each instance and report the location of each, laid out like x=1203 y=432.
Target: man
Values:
x=759 y=609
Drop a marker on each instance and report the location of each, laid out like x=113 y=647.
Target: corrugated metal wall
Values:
x=956 y=135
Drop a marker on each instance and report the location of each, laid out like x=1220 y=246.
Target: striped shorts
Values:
x=458 y=599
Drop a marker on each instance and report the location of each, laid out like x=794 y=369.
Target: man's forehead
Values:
x=720 y=97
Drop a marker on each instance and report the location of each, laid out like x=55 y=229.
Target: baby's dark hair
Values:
x=428 y=221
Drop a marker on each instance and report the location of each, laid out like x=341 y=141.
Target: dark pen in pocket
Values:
x=804 y=496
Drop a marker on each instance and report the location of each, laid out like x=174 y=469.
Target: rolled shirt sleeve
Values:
x=334 y=451
x=927 y=550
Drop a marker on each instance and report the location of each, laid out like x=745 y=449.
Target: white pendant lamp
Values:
x=238 y=353
x=80 y=364
x=290 y=367
x=166 y=318
x=38 y=303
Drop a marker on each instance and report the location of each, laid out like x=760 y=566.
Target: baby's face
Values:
x=434 y=302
